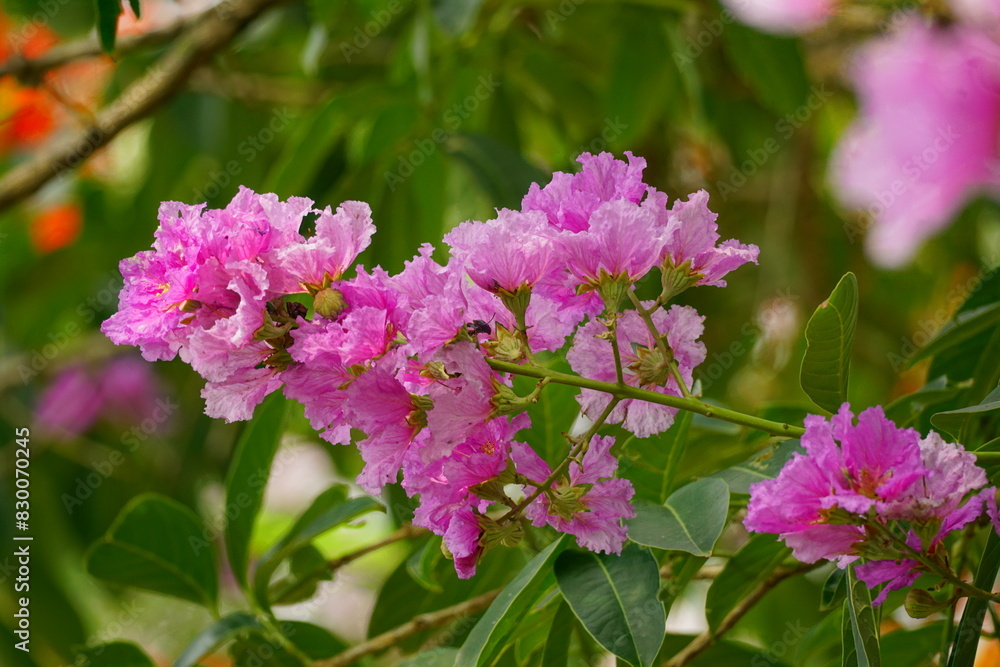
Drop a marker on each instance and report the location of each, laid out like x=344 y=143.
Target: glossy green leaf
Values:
x=829 y=335
x=956 y=422
x=157 y=544
x=864 y=628
x=215 y=635
x=489 y=635
x=966 y=642
x=690 y=520
x=114 y=654
x=764 y=465
x=108 y=12
x=751 y=565
x=965 y=325
x=330 y=510
x=248 y=474
x=615 y=599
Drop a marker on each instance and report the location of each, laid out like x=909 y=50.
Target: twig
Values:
x=216 y=30
x=419 y=623
x=30 y=70
x=256 y=89
x=691 y=404
x=705 y=640
x=404 y=533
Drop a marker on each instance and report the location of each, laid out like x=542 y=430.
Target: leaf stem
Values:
x=691 y=403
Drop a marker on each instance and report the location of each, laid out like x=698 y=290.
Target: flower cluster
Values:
x=255 y=305
x=875 y=491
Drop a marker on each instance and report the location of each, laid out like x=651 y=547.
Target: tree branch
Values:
x=404 y=533
x=214 y=31
x=419 y=623
x=30 y=70
x=705 y=640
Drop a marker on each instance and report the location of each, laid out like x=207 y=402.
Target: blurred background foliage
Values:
x=434 y=113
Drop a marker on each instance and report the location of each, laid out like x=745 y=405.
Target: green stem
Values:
x=684 y=403
x=660 y=342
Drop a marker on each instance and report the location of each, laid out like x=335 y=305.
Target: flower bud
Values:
x=921 y=604
x=329 y=302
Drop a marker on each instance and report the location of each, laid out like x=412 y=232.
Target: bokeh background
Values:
x=434 y=113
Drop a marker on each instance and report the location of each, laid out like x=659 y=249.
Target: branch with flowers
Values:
x=422 y=363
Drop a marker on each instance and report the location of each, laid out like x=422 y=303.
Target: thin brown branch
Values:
x=404 y=533
x=418 y=624
x=705 y=640
x=211 y=34
x=30 y=70
x=259 y=90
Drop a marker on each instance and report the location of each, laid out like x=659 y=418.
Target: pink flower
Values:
x=70 y=405
x=569 y=200
x=925 y=140
x=379 y=405
x=593 y=358
x=589 y=504
x=339 y=239
x=691 y=236
x=782 y=16
x=622 y=239
x=514 y=250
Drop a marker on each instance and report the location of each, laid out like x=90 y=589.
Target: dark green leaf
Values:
x=114 y=654
x=308 y=567
x=248 y=473
x=965 y=325
x=256 y=650
x=615 y=599
x=489 y=635
x=136 y=9
x=157 y=544
x=955 y=422
x=560 y=632
x=834 y=590
x=108 y=12
x=826 y=364
x=691 y=520
x=330 y=510
x=503 y=174
x=215 y=635
x=315 y=642
x=905 y=409
x=864 y=628
x=966 y=641
x=749 y=567
x=765 y=465
x=422 y=562
x=849 y=650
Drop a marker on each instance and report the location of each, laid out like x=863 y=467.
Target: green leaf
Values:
x=849 y=650
x=157 y=544
x=438 y=657
x=502 y=173
x=615 y=599
x=826 y=364
x=248 y=473
x=560 y=632
x=957 y=422
x=864 y=628
x=834 y=590
x=489 y=636
x=256 y=650
x=307 y=567
x=771 y=65
x=108 y=12
x=456 y=16
x=421 y=563
x=136 y=9
x=313 y=641
x=966 y=642
x=215 y=635
x=749 y=567
x=905 y=409
x=691 y=520
x=114 y=654
x=330 y=510
x=965 y=325
x=765 y=465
